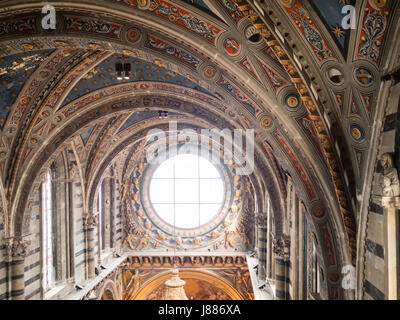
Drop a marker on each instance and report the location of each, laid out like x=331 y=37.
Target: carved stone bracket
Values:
x=390 y=179
x=387 y=202
x=90 y=220
x=16 y=248
x=282 y=247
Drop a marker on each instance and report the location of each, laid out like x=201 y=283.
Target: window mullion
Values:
x=198 y=183
x=186 y=187
x=174 y=191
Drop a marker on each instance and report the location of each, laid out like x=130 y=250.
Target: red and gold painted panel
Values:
x=306 y=26
x=178 y=15
x=374 y=25
x=276 y=81
x=297 y=165
x=328 y=242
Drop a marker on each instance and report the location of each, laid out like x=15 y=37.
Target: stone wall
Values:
x=374 y=281
x=33 y=258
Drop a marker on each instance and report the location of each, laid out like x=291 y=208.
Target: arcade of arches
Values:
x=107 y=121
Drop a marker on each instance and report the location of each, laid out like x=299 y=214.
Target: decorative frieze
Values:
x=186 y=261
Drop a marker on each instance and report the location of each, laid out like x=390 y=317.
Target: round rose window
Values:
x=186 y=191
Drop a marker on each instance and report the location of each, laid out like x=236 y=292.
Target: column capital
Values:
x=281 y=247
x=261 y=219
x=90 y=220
x=16 y=248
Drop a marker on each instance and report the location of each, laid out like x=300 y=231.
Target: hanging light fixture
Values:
x=163 y=114
x=127 y=71
x=174 y=287
x=123 y=71
x=119 y=68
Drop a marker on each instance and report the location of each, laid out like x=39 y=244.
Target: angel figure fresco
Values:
x=134 y=279
x=240 y=280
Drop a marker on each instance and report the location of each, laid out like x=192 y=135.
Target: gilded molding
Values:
x=330 y=156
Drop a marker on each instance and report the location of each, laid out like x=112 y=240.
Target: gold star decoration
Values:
x=338 y=31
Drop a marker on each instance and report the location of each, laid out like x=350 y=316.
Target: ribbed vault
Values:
x=228 y=64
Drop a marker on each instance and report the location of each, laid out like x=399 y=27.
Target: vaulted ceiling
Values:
x=285 y=68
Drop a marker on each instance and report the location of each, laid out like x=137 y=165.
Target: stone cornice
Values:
x=387 y=202
x=185 y=260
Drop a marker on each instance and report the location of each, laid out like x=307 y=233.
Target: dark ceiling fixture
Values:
x=123 y=71
x=162 y=114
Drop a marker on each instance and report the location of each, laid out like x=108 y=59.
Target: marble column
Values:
x=16 y=250
x=269 y=252
x=261 y=222
x=294 y=247
x=390 y=200
x=107 y=212
x=391 y=207
x=282 y=256
x=90 y=222
x=113 y=212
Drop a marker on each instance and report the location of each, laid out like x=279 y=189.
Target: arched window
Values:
x=49 y=273
x=315 y=270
